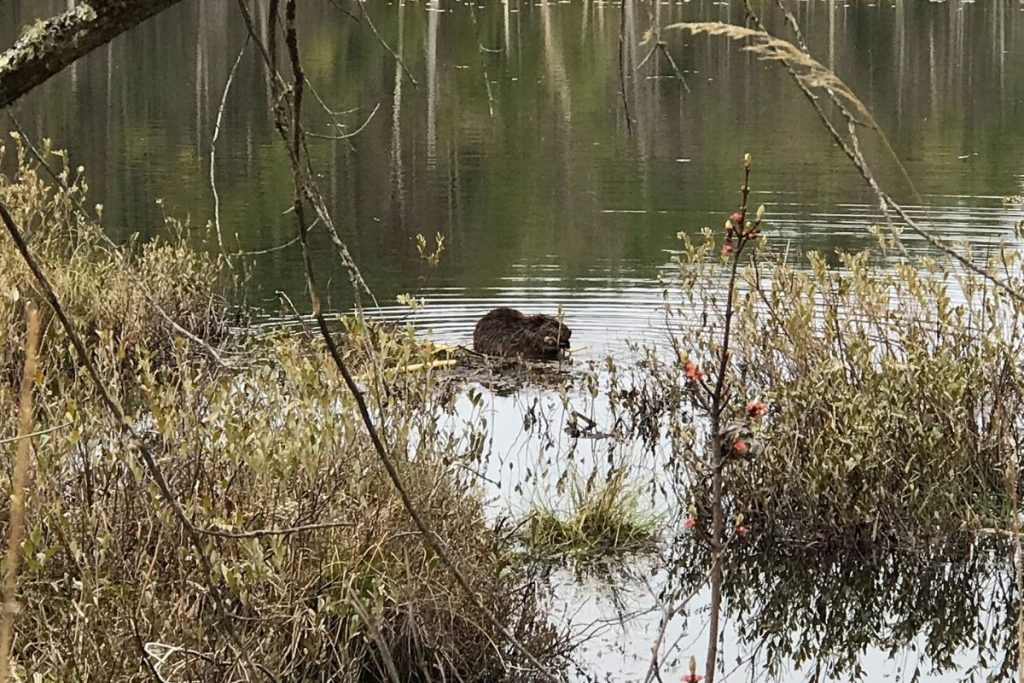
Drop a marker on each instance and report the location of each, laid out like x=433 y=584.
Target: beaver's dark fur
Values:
x=507 y=332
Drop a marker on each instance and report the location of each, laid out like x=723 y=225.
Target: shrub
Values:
x=101 y=285
x=112 y=589
x=891 y=395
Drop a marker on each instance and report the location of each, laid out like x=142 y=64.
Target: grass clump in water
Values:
x=604 y=519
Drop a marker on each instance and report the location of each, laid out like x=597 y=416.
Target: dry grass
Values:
x=276 y=446
x=112 y=590
x=767 y=47
x=16 y=518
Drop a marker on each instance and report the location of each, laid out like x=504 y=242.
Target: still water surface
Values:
x=512 y=142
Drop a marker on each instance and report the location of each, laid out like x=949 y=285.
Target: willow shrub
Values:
x=99 y=284
x=111 y=589
x=893 y=395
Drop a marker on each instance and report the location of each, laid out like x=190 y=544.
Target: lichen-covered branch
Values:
x=48 y=46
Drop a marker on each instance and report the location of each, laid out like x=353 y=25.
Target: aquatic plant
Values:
x=602 y=519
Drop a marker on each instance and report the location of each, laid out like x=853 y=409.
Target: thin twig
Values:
x=285 y=531
x=376 y=33
x=213 y=147
x=622 y=66
x=269 y=250
x=671 y=609
x=346 y=136
x=483 y=59
x=302 y=322
x=144 y=655
x=718 y=448
x=672 y=62
x=41 y=432
x=311 y=192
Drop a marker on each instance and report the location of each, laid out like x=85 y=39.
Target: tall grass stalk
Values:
x=16 y=525
x=1018 y=558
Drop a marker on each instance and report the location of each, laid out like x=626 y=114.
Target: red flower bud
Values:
x=737 y=219
x=689 y=523
x=693 y=371
x=755 y=409
x=693 y=676
x=727 y=249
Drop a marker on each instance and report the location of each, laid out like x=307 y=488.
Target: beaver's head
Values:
x=552 y=335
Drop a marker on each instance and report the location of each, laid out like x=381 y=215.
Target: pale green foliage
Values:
x=431 y=258
x=275 y=444
x=100 y=287
x=893 y=395
x=603 y=517
x=894 y=411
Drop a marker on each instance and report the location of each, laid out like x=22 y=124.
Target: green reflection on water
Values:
x=552 y=177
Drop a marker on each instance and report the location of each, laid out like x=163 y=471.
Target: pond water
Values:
x=510 y=139
x=543 y=195
x=794 y=612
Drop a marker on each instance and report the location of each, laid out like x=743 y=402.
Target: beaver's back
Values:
x=507 y=332
x=499 y=332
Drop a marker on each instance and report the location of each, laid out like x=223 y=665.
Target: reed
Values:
x=16 y=520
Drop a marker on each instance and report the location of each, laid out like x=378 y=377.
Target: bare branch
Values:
x=213 y=146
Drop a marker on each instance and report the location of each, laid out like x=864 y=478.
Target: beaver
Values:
x=507 y=332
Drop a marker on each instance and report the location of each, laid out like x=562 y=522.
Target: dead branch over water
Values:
x=57 y=42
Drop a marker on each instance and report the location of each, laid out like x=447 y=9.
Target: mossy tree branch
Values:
x=46 y=47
